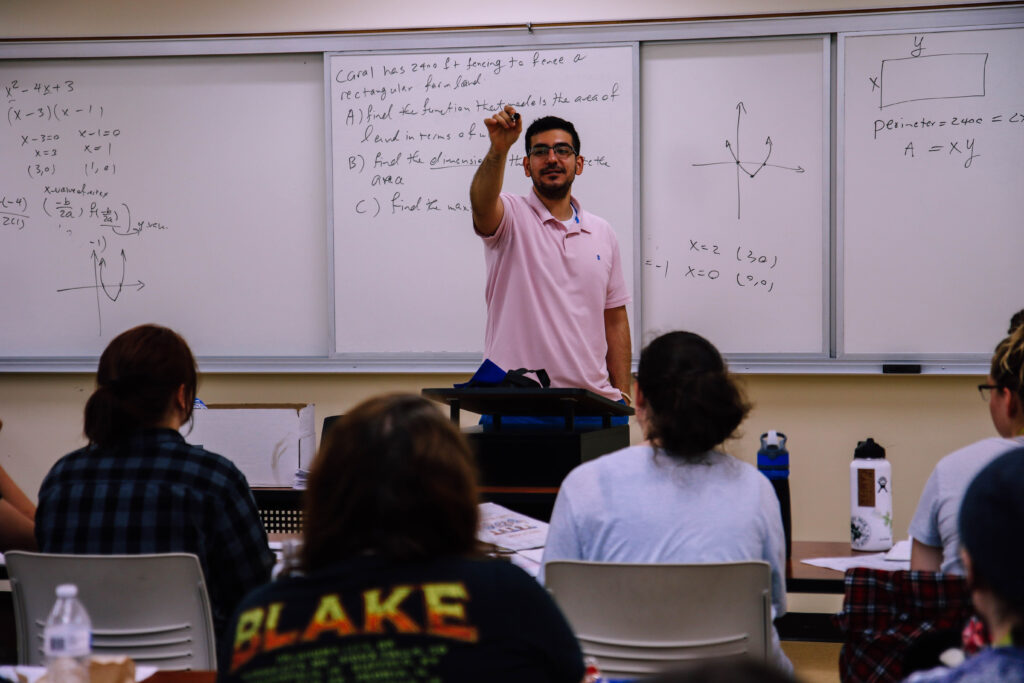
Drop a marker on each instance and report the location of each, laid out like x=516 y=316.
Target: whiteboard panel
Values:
x=734 y=206
x=408 y=134
x=186 y=191
x=931 y=203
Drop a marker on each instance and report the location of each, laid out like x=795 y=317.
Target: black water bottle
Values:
x=773 y=462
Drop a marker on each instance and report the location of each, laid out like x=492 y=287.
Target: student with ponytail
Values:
x=676 y=498
x=138 y=487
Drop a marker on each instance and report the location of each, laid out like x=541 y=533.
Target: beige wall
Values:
x=917 y=419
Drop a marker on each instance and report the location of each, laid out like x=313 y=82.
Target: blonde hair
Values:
x=1008 y=362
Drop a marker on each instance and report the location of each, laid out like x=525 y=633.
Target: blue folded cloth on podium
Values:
x=490 y=375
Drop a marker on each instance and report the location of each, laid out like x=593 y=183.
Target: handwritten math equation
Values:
x=68 y=148
x=714 y=262
x=406 y=121
x=945 y=80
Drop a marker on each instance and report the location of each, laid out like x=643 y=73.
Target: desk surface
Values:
x=805 y=578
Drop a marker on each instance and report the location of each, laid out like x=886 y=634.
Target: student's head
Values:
x=1016 y=320
x=1006 y=400
x=146 y=375
x=991 y=529
x=552 y=158
x=690 y=401
x=393 y=477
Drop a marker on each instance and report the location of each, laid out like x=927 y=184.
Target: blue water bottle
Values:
x=773 y=462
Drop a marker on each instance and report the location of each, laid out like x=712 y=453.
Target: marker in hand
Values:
x=515 y=117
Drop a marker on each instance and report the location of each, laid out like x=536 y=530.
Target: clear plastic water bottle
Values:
x=67 y=638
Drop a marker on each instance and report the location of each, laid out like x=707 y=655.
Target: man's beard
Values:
x=553 y=192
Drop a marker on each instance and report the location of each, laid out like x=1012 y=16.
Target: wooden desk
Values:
x=805 y=578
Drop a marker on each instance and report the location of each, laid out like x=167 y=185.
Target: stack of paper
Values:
x=522 y=538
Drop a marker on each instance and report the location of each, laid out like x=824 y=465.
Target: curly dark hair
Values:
x=694 y=403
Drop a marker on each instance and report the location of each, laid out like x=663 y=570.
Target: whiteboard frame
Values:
x=786 y=360
x=464 y=360
x=521 y=37
x=978 y=361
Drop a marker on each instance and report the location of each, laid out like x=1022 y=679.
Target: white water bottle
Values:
x=67 y=638
x=870 y=498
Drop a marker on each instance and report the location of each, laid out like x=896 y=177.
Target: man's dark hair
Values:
x=393 y=477
x=546 y=123
x=139 y=373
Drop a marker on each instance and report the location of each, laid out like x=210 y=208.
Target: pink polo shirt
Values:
x=547 y=290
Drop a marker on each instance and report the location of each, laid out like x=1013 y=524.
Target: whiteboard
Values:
x=734 y=205
x=407 y=135
x=187 y=191
x=932 y=133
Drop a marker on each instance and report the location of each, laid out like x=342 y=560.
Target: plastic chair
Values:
x=152 y=608
x=640 y=619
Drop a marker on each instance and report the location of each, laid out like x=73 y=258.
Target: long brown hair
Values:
x=393 y=477
x=138 y=375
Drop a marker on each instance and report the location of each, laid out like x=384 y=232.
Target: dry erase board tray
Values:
x=527 y=401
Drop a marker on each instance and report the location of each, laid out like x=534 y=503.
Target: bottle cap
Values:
x=773 y=439
x=868 y=449
x=67 y=590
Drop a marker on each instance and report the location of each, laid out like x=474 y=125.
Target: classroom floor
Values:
x=813 y=662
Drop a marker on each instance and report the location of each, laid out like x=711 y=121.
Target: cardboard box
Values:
x=268 y=442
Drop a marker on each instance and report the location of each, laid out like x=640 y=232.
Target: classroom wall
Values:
x=73 y=18
x=917 y=419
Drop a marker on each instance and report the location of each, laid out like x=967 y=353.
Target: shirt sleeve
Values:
x=542 y=625
x=924 y=526
x=240 y=544
x=563 y=541
x=617 y=293
x=500 y=235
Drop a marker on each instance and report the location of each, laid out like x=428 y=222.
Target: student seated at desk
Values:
x=991 y=524
x=676 y=498
x=393 y=588
x=936 y=540
x=17 y=515
x=138 y=487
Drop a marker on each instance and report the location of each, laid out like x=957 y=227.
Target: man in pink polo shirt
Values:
x=556 y=298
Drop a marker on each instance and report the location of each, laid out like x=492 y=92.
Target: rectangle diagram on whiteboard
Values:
x=934 y=77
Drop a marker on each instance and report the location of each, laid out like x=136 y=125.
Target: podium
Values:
x=522 y=465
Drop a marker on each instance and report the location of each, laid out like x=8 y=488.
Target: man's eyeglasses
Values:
x=562 y=151
x=986 y=391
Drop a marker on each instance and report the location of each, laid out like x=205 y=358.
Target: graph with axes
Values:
x=748 y=168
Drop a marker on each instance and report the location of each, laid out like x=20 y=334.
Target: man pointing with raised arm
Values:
x=556 y=298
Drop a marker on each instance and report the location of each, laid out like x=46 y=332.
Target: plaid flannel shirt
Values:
x=885 y=613
x=154 y=493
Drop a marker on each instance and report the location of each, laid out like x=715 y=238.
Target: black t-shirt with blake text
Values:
x=371 y=620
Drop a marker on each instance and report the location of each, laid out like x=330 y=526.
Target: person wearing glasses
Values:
x=556 y=297
x=936 y=538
